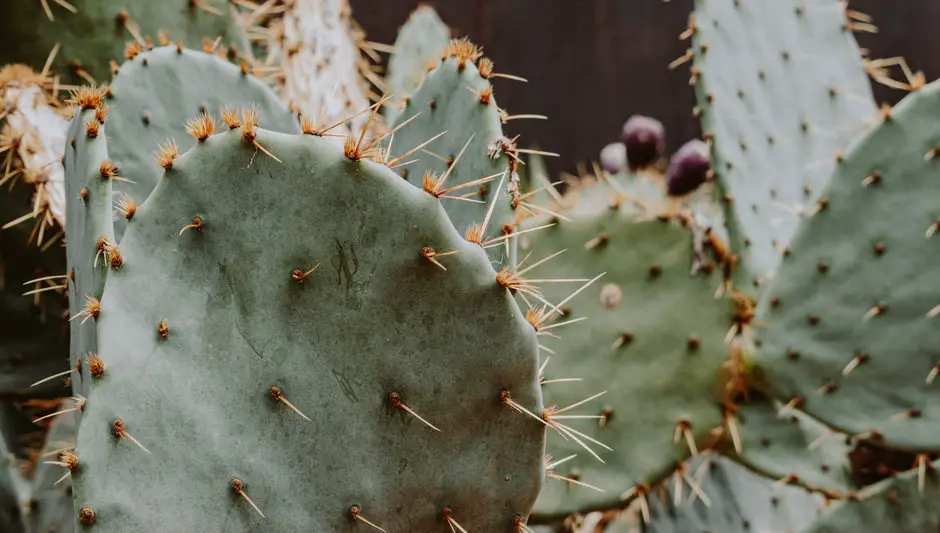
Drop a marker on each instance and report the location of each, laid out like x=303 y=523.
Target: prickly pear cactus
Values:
x=905 y=503
x=789 y=447
x=146 y=110
x=91 y=34
x=730 y=499
x=297 y=298
x=150 y=103
x=781 y=89
x=421 y=40
x=456 y=108
x=652 y=338
x=851 y=331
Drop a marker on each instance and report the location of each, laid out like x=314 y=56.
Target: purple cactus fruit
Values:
x=645 y=139
x=613 y=158
x=688 y=168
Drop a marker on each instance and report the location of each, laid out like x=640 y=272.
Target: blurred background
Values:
x=593 y=64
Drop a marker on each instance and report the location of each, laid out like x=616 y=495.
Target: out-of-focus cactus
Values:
x=420 y=42
x=851 y=337
x=661 y=366
x=90 y=37
x=781 y=90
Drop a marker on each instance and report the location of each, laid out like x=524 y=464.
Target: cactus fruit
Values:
x=613 y=158
x=688 y=168
x=299 y=398
x=638 y=342
x=420 y=43
x=645 y=141
x=456 y=108
x=315 y=45
x=851 y=337
x=88 y=35
x=777 y=113
x=738 y=501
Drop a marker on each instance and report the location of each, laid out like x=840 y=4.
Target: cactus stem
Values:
x=395 y=400
x=239 y=489
x=684 y=429
x=119 y=431
x=279 y=397
x=448 y=516
x=79 y=405
x=195 y=225
x=356 y=513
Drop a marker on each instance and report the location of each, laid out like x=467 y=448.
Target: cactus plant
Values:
x=781 y=89
x=230 y=321
x=850 y=331
x=87 y=37
x=420 y=42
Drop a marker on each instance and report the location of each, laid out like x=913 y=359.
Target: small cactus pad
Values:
x=906 y=503
x=455 y=98
x=98 y=31
x=277 y=349
x=421 y=40
x=739 y=502
x=790 y=447
x=781 y=88
x=157 y=92
x=652 y=336
x=88 y=185
x=852 y=336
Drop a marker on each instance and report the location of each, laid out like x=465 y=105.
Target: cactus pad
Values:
x=852 y=334
x=239 y=379
x=457 y=99
x=781 y=87
x=652 y=337
x=420 y=40
x=155 y=94
x=97 y=31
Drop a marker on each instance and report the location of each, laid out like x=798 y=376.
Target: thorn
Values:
x=395 y=400
x=239 y=489
x=428 y=253
x=857 y=360
x=356 y=512
x=684 y=429
x=279 y=397
x=79 y=406
x=448 y=516
x=299 y=275
x=933 y=374
x=195 y=225
x=119 y=431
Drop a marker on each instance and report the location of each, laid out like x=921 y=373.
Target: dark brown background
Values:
x=592 y=63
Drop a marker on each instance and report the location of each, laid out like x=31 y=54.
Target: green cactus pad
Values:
x=88 y=224
x=94 y=35
x=896 y=504
x=245 y=310
x=792 y=448
x=156 y=93
x=852 y=336
x=782 y=88
x=740 y=502
x=653 y=338
x=421 y=39
x=448 y=101
x=52 y=495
